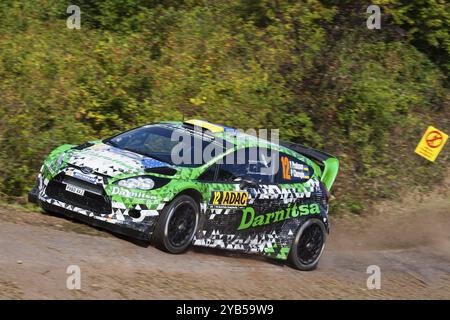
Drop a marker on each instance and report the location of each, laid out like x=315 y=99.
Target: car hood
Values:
x=108 y=160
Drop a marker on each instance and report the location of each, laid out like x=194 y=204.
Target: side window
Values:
x=230 y=172
x=209 y=174
x=292 y=170
x=250 y=163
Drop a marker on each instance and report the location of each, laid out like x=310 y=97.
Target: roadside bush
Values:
x=309 y=68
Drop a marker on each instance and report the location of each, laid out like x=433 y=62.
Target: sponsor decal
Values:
x=291 y=169
x=229 y=199
x=251 y=220
x=84 y=177
x=152 y=163
x=103 y=154
x=117 y=191
x=125 y=153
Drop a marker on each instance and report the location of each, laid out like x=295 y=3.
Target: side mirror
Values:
x=248 y=183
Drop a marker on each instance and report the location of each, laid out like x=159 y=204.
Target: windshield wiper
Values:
x=109 y=142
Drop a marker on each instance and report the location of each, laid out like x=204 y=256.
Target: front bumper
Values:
x=115 y=228
x=33 y=195
x=133 y=230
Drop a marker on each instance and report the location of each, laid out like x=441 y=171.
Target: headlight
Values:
x=137 y=183
x=60 y=160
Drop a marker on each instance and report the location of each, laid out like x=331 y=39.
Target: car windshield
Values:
x=170 y=144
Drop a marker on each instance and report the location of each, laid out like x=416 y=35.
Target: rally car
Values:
x=180 y=183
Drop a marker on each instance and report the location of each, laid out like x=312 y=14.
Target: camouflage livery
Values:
x=259 y=218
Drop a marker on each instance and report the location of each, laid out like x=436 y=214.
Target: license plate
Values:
x=75 y=190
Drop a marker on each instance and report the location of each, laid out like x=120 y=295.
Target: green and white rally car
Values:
x=193 y=182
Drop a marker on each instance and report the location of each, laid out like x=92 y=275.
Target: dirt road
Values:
x=410 y=242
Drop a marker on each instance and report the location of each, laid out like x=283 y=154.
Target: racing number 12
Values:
x=286 y=168
x=216 y=197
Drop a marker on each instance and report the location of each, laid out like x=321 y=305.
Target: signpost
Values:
x=431 y=143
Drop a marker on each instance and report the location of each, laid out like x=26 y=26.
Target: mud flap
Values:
x=33 y=195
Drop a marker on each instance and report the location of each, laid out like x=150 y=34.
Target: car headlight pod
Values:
x=142 y=183
x=60 y=159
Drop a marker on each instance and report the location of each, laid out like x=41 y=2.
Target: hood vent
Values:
x=162 y=170
x=83 y=146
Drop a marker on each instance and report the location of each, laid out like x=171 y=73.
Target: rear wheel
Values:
x=308 y=245
x=177 y=225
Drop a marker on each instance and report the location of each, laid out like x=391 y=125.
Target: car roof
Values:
x=234 y=136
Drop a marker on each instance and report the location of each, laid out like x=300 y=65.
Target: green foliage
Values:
x=427 y=23
x=304 y=67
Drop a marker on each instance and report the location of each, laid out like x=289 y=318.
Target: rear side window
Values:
x=292 y=170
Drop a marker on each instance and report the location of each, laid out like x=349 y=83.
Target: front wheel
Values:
x=308 y=245
x=177 y=225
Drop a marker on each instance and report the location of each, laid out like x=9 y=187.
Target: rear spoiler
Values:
x=328 y=163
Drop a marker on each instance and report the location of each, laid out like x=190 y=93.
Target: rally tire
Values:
x=177 y=225
x=308 y=245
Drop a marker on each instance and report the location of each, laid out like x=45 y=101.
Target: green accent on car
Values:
x=283 y=254
x=330 y=172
